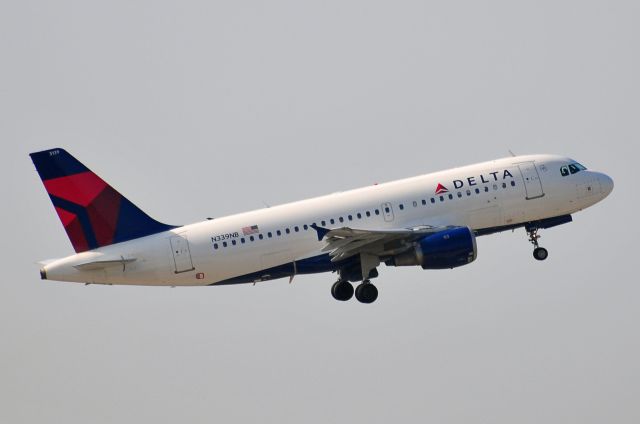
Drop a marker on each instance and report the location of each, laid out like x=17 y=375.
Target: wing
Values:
x=345 y=242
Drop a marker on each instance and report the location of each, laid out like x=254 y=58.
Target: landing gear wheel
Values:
x=342 y=290
x=366 y=292
x=540 y=253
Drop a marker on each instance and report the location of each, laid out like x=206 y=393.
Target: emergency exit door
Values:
x=387 y=211
x=181 y=254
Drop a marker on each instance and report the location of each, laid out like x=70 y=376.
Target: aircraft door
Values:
x=531 y=178
x=181 y=254
x=387 y=211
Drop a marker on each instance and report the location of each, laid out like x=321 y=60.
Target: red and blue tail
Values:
x=93 y=213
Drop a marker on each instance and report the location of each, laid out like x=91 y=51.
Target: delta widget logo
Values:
x=441 y=189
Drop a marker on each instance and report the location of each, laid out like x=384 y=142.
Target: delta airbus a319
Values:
x=430 y=221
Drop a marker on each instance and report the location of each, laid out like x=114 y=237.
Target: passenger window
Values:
x=306 y=227
x=333 y=221
x=486 y=189
x=377 y=211
x=459 y=194
x=513 y=183
x=424 y=202
x=368 y=213
x=468 y=192
x=242 y=240
x=450 y=196
x=442 y=198
x=324 y=223
x=350 y=217
x=564 y=171
x=387 y=209
x=260 y=236
x=359 y=215
x=296 y=228
x=233 y=242
x=341 y=219
x=477 y=191
x=415 y=203
x=251 y=238
x=401 y=207
x=279 y=233
x=269 y=234
x=215 y=245
x=495 y=186
x=224 y=244
x=433 y=200
x=286 y=230
x=504 y=185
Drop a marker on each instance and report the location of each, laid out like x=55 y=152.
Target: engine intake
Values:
x=449 y=248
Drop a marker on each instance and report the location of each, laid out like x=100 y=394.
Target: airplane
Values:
x=430 y=221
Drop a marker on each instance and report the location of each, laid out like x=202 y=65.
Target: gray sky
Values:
x=195 y=109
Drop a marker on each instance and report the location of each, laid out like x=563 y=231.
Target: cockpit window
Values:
x=572 y=168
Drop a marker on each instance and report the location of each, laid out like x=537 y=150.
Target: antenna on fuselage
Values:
x=511 y=153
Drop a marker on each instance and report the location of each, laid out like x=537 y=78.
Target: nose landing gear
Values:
x=539 y=253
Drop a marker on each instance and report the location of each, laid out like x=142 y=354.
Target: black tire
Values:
x=342 y=291
x=366 y=293
x=540 y=253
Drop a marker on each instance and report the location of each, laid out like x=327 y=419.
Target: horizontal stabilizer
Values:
x=45 y=262
x=100 y=264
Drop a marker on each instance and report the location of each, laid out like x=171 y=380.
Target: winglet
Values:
x=320 y=230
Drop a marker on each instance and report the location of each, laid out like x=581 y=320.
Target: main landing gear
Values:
x=365 y=292
x=540 y=253
x=342 y=290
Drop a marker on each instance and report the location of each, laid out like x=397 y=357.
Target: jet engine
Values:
x=448 y=248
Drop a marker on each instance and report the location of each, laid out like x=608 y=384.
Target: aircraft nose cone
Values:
x=606 y=183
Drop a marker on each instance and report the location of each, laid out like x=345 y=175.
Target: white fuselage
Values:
x=499 y=193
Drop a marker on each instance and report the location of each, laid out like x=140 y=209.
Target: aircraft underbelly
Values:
x=485 y=217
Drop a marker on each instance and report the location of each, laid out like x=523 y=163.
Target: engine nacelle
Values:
x=445 y=249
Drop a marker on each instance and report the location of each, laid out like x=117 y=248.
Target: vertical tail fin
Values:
x=92 y=212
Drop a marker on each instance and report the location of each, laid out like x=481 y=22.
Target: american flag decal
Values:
x=250 y=230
